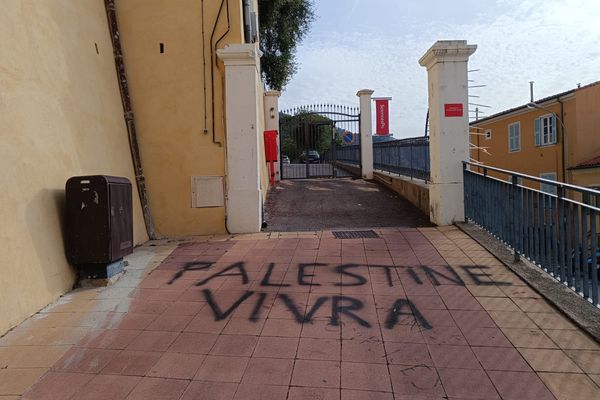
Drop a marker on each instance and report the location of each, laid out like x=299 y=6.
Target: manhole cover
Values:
x=355 y=235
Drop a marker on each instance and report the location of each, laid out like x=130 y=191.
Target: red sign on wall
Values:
x=383 y=117
x=453 y=110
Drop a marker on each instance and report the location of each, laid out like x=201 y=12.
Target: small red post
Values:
x=271 y=153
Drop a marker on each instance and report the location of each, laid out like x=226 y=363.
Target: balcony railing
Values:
x=409 y=157
x=553 y=224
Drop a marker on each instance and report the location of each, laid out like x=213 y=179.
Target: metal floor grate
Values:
x=355 y=235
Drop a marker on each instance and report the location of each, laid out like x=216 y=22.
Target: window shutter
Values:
x=538 y=133
x=511 y=137
x=553 y=137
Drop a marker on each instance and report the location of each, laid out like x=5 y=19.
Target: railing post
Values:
x=467 y=205
x=515 y=205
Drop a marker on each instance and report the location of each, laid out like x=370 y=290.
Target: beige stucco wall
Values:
x=168 y=97
x=60 y=116
x=413 y=190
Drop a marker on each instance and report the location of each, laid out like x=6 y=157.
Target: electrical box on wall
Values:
x=207 y=191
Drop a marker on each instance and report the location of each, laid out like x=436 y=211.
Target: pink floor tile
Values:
x=467 y=383
x=159 y=389
x=520 y=385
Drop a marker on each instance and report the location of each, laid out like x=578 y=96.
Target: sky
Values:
x=376 y=44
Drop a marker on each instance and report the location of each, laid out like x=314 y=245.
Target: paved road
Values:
x=300 y=205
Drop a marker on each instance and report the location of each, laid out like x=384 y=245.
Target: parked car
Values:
x=285 y=159
x=311 y=155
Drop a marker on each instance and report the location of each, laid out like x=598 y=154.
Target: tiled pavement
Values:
x=417 y=314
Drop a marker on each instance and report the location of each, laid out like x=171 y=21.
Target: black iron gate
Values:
x=320 y=141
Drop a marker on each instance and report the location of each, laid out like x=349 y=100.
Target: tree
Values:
x=283 y=25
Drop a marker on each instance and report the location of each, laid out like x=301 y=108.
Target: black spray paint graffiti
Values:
x=345 y=305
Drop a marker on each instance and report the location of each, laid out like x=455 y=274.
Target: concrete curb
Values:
x=580 y=311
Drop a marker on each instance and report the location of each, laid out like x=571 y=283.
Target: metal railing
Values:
x=348 y=154
x=553 y=224
x=408 y=157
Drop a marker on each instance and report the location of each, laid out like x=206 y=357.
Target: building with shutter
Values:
x=557 y=138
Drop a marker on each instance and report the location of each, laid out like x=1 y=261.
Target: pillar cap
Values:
x=240 y=54
x=274 y=93
x=365 y=92
x=447 y=51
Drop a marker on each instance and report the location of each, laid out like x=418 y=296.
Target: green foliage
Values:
x=283 y=25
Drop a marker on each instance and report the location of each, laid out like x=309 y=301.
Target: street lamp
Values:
x=565 y=145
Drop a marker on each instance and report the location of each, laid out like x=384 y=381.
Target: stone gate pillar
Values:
x=366 y=133
x=242 y=87
x=272 y=121
x=446 y=62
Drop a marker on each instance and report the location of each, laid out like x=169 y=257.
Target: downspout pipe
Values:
x=213 y=50
x=113 y=28
x=564 y=140
x=247 y=22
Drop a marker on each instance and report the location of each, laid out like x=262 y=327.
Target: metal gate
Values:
x=319 y=141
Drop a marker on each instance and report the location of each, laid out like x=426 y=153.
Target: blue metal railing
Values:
x=348 y=154
x=557 y=228
x=408 y=157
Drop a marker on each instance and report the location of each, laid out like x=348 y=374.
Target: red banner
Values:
x=383 y=117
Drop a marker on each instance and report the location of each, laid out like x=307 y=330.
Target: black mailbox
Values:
x=99 y=224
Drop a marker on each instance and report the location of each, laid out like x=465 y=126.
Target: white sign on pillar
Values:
x=242 y=86
x=447 y=70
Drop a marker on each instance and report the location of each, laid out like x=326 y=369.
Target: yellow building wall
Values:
x=530 y=160
x=587 y=144
x=582 y=134
x=168 y=92
x=61 y=116
x=589 y=177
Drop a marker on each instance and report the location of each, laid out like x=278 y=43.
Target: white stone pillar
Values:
x=272 y=121
x=242 y=88
x=446 y=62
x=366 y=133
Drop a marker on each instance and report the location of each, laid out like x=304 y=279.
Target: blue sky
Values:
x=376 y=44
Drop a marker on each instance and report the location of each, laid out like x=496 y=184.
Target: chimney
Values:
x=531 y=90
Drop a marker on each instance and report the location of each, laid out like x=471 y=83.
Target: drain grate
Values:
x=355 y=235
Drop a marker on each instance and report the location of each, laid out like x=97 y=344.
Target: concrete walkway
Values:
x=416 y=314
x=304 y=205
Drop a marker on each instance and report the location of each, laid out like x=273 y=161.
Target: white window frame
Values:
x=487 y=134
x=551 y=189
x=518 y=148
x=547 y=135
